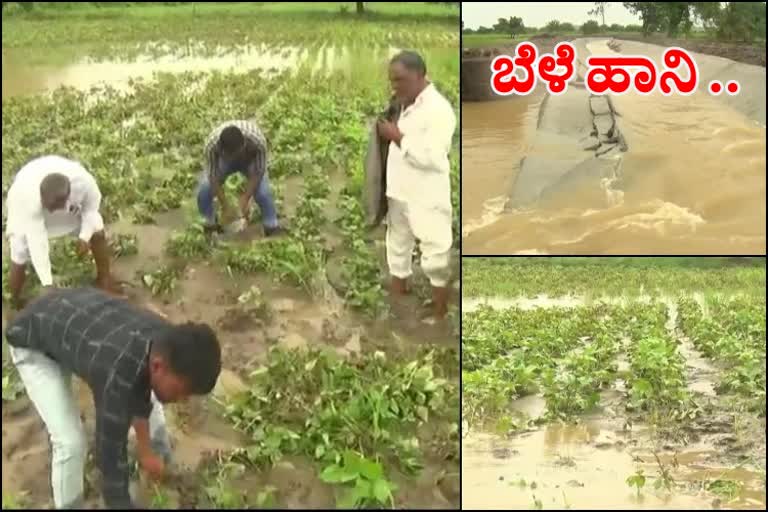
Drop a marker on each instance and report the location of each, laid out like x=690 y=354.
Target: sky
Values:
x=538 y=14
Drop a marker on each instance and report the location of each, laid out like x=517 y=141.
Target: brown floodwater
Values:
x=21 y=76
x=693 y=182
x=586 y=467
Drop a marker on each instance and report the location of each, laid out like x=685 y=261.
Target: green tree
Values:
x=649 y=14
x=590 y=27
x=675 y=17
x=515 y=26
x=553 y=27
x=742 y=21
x=599 y=10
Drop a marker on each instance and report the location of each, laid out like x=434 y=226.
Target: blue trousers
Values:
x=262 y=196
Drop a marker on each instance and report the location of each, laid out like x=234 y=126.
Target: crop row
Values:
x=233 y=24
x=144 y=149
x=569 y=355
x=732 y=333
x=527 y=277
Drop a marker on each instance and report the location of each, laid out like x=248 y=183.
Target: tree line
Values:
x=727 y=21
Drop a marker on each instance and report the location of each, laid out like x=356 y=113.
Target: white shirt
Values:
x=27 y=218
x=419 y=170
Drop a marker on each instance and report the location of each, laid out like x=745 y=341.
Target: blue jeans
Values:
x=262 y=196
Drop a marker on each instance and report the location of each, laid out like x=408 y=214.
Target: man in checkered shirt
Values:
x=237 y=146
x=132 y=360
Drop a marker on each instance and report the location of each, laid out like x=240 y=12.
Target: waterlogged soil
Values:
x=293 y=320
x=585 y=464
x=23 y=76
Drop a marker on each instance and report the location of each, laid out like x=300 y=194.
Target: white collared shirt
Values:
x=28 y=218
x=419 y=170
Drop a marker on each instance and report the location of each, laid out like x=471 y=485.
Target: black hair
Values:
x=411 y=61
x=54 y=186
x=193 y=353
x=231 y=139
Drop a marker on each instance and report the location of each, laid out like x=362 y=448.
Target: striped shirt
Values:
x=106 y=342
x=254 y=138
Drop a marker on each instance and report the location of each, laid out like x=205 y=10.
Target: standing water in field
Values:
x=20 y=76
x=691 y=181
x=523 y=456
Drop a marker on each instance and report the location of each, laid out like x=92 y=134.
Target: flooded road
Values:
x=692 y=181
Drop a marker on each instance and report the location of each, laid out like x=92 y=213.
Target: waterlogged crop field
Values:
x=594 y=398
x=331 y=396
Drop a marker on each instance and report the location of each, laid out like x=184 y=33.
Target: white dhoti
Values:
x=432 y=226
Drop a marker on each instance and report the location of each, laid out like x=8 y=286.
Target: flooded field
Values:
x=692 y=180
x=651 y=401
x=303 y=318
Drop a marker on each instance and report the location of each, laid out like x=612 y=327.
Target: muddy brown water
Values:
x=694 y=182
x=586 y=467
x=22 y=77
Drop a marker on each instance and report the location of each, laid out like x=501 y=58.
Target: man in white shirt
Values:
x=51 y=197
x=418 y=179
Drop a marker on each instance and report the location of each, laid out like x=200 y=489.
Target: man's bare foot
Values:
x=18 y=303
x=111 y=286
x=398 y=287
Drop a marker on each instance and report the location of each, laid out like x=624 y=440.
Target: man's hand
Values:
x=389 y=131
x=245 y=206
x=152 y=464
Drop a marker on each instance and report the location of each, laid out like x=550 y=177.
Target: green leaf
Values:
x=337 y=475
x=371 y=470
x=642 y=386
x=382 y=491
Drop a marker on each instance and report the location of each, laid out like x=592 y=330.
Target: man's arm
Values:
x=39 y=248
x=212 y=165
x=426 y=151
x=91 y=220
x=256 y=171
x=112 y=427
x=141 y=411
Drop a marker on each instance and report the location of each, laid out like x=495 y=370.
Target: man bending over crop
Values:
x=50 y=197
x=418 y=179
x=237 y=146
x=131 y=359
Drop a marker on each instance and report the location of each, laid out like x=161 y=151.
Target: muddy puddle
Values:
x=692 y=180
x=586 y=467
x=21 y=77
